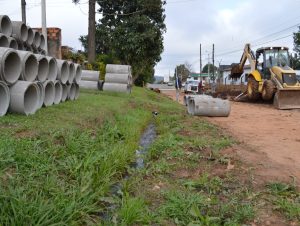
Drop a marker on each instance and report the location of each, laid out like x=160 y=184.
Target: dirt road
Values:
x=270 y=138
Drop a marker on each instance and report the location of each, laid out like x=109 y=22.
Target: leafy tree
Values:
x=183 y=71
x=295 y=60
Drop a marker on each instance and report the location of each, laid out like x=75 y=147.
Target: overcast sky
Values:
x=229 y=24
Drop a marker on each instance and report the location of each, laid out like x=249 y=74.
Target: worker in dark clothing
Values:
x=200 y=87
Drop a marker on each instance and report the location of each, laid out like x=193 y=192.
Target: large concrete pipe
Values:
x=90 y=75
x=43 y=69
x=28 y=47
x=78 y=73
x=12 y=43
x=116 y=87
x=42 y=52
x=53 y=69
x=65 y=90
x=71 y=91
x=203 y=105
x=41 y=93
x=49 y=93
x=58 y=92
x=118 y=69
x=10 y=65
x=24 y=98
x=186 y=99
x=30 y=36
x=72 y=72
x=5 y=25
x=4 y=41
x=76 y=91
x=63 y=71
x=4 y=98
x=117 y=78
x=36 y=39
x=89 y=85
x=19 y=30
x=43 y=42
x=21 y=45
x=29 y=65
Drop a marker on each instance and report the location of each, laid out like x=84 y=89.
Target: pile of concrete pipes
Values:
x=16 y=35
x=90 y=80
x=118 y=78
x=29 y=81
x=204 y=105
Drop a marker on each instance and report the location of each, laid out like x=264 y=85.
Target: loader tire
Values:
x=268 y=90
x=252 y=89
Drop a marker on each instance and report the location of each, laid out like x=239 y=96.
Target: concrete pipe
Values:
x=116 y=87
x=29 y=65
x=28 y=47
x=186 y=99
x=12 y=43
x=71 y=91
x=42 y=52
x=41 y=93
x=118 y=69
x=4 y=41
x=43 y=69
x=65 y=90
x=30 y=36
x=203 y=105
x=89 y=85
x=53 y=69
x=76 y=91
x=19 y=30
x=90 y=75
x=49 y=93
x=36 y=39
x=63 y=71
x=20 y=45
x=10 y=65
x=117 y=78
x=43 y=42
x=5 y=25
x=72 y=72
x=58 y=92
x=4 y=98
x=24 y=98
x=78 y=73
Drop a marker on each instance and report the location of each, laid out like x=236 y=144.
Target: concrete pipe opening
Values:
x=30 y=35
x=41 y=94
x=36 y=39
x=53 y=70
x=72 y=91
x=78 y=73
x=72 y=72
x=43 y=68
x=191 y=106
x=49 y=93
x=12 y=43
x=43 y=42
x=29 y=66
x=64 y=92
x=24 y=98
x=19 y=30
x=21 y=45
x=5 y=25
x=4 y=41
x=4 y=98
x=76 y=91
x=63 y=71
x=58 y=92
x=10 y=65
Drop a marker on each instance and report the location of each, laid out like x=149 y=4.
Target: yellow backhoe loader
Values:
x=271 y=77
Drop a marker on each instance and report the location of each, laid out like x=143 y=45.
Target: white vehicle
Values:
x=191 y=86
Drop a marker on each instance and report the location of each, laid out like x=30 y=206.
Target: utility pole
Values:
x=213 y=61
x=23 y=7
x=200 y=59
x=44 y=24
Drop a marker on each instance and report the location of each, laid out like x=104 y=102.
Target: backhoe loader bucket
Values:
x=236 y=71
x=287 y=98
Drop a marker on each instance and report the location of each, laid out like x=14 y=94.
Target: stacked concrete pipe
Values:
x=41 y=93
x=90 y=80
x=5 y=25
x=4 y=98
x=4 y=41
x=58 y=92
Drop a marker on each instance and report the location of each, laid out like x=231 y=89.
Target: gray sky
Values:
x=227 y=23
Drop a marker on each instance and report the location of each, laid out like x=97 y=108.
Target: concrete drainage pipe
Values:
x=5 y=25
x=117 y=78
x=4 y=41
x=12 y=43
x=76 y=91
x=53 y=69
x=65 y=90
x=58 y=92
x=71 y=91
x=43 y=42
x=36 y=39
x=41 y=94
x=78 y=73
x=43 y=69
x=24 y=98
x=118 y=69
x=90 y=75
x=21 y=45
x=10 y=68
x=63 y=71
x=72 y=72
x=49 y=93
x=4 y=98
x=30 y=66
x=116 y=87
x=19 y=31
x=89 y=85
x=30 y=36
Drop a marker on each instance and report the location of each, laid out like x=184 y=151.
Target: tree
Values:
x=183 y=71
x=295 y=60
x=91 y=29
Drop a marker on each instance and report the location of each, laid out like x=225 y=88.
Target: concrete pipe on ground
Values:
x=65 y=90
x=53 y=69
x=10 y=65
x=19 y=31
x=49 y=93
x=41 y=93
x=118 y=69
x=30 y=66
x=89 y=85
x=43 y=69
x=43 y=42
x=76 y=91
x=90 y=75
x=116 y=87
x=204 y=105
x=24 y=98
x=36 y=39
x=30 y=36
x=72 y=72
x=12 y=43
x=117 y=78
x=78 y=73
x=5 y=25
x=186 y=99
x=71 y=91
x=63 y=71
x=58 y=92
x=4 y=98
x=4 y=41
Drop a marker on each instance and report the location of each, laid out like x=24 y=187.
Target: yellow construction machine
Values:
x=271 y=77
